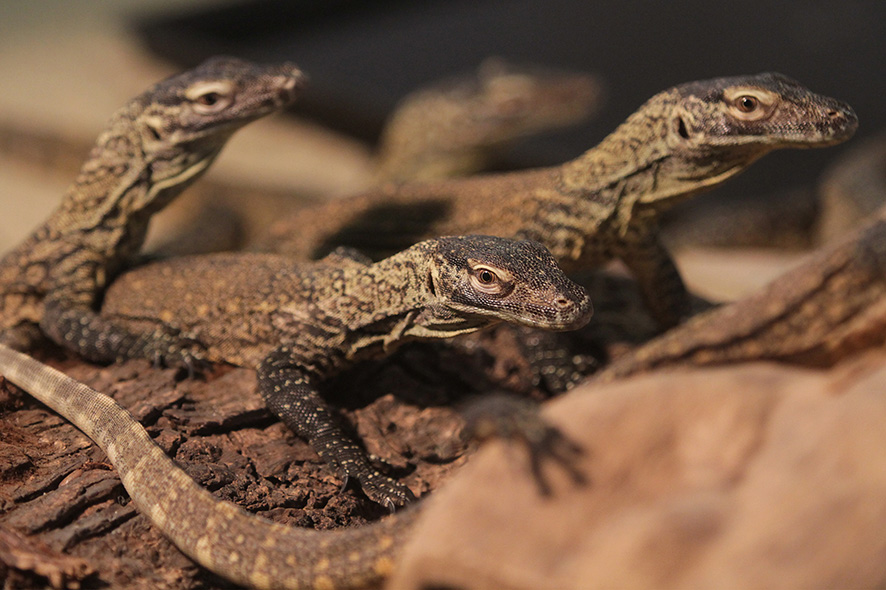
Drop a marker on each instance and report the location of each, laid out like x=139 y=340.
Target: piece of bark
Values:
x=751 y=476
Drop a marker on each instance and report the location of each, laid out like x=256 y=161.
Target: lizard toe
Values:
x=507 y=417
x=385 y=491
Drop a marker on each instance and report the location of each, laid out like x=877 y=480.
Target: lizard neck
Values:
x=639 y=170
x=107 y=209
x=394 y=301
x=380 y=303
x=598 y=193
x=126 y=179
x=646 y=160
x=391 y=287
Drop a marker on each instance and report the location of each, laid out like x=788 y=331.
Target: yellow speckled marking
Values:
x=322 y=565
x=383 y=566
x=157 y=515
x=354 y=556
x=203 y=550
x=324 y=583
x=385 y=541
x=259 y=576
x=261 y=561
x=269 y=542
x=259 y=580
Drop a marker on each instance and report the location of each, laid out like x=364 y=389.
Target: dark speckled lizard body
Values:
x=152 y=149
x=300 y=324
x=604 y=204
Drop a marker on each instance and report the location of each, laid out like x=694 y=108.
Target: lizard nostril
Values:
x=562 y=302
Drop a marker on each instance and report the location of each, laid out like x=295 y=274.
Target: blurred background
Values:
x=67 y=66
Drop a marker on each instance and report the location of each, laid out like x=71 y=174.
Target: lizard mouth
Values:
x=559 y=313
x=841 y=125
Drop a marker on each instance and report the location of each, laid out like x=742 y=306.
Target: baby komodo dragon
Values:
x=300 y=324
x=152 y=149
x=604 y=204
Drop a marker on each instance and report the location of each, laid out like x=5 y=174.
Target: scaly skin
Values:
x=827 y=308
x=299 y=325
x=604 y=204
x=152 y=149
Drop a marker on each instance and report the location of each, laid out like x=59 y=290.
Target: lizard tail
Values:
x=224 y=538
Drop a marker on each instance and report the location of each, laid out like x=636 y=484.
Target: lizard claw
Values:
x=381 y=489
x=196 y=366
x=169 y=349
x=509 y=417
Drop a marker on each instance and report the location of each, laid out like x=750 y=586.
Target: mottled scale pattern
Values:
x=243 y=548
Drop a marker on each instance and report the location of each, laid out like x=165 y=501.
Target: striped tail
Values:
x=224 y=538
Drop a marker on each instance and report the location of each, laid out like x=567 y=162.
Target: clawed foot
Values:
x=379 y=488
x=554 y=359
x=172 y=350
x=509 y=417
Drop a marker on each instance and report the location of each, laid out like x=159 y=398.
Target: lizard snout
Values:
x=571 y=311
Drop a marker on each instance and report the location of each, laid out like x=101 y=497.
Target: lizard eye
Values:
x=747 y=103
x=211 y=102
x=210 y=97
x=487 y=281
x=750 y=104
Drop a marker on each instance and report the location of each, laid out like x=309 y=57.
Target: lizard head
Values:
x=211 y=101
x=171 y=133
x=458 y=125
x=502 y=102
x=756 y=114
x=713 y=129
x=475 y=281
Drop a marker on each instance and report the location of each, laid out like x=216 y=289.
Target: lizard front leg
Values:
x=290 y=391
x=660 y=282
